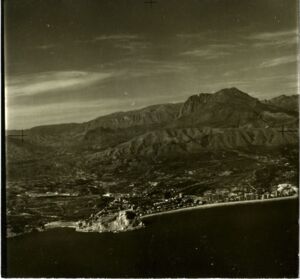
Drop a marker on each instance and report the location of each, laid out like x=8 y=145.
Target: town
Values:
x=32 y=204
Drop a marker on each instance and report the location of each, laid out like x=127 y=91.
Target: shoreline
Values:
x=73 y=224
x=206 y=206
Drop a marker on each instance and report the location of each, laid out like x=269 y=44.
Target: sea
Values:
x=248 y=240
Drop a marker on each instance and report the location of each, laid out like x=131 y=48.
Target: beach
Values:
x=206 y=206
x=74 y=225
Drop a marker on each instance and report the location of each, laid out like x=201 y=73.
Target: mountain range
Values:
x=225 y=120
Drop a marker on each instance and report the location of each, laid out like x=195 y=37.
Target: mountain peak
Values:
x=233 y=92
x=224 y=97
x=231 y=89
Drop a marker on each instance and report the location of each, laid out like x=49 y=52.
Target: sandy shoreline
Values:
x=61 y=224
x=205 y=206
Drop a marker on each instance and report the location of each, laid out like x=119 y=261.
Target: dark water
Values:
x=255 y=240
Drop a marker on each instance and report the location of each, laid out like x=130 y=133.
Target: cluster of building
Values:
x=219 y=196
x=82 y=194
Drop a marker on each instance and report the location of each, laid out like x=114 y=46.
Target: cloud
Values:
x=28 y=85
x=273 y=35
x=206 y=35
x=149 y=67
x=46 y=46
x=278 y=61
x=205 y=53
x=211 y=51
x=118 y=37
x=134 y=67
x=260 y=40
x=111 y=38
x=278 y=39
x=191 y=36
x=129 y=42
x=59 y=82
x=133 y=46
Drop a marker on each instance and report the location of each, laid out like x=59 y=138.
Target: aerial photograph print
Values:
x=150 y=139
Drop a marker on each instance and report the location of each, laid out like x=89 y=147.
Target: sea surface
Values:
x=251 y=240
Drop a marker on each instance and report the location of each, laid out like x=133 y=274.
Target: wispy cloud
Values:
x=191 y=36
x=133 y=46
x=279 y=61
x=205 y=35
x=278 y=39
x=157 y=66
x=45 y=46
x=261 y=39
x=143 y=67
x=138 y=66
x=273 y=35
x=33 y=84
x=119 y=37
x=115 y=38
x=211 y=51
x=129 y=42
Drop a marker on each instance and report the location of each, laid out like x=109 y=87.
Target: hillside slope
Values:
x=169 y=142
x=290 y=103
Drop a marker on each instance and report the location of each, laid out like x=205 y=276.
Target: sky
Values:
x=75 y=60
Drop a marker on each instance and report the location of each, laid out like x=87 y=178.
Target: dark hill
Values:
x=231 y=108
x=290 y=103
